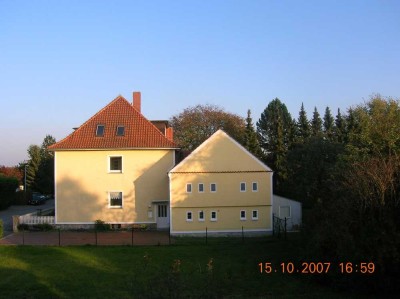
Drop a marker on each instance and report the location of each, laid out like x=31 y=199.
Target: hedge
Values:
x=7 y=191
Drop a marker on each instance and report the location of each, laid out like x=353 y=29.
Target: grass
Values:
x=224 y=268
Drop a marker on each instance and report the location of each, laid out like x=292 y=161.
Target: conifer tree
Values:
x=316 y=123
x=328 y=124
x=303 y=125
x=250 y=138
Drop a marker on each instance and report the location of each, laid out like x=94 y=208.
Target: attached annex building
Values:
x=120 y=168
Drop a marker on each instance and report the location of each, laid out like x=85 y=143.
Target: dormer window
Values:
x=100 y=131
x=120 y=131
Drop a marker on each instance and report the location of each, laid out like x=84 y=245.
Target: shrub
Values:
x=43 y=227
x=23 y=226
x=7 y=191
x=100 y=225
x=1 y=228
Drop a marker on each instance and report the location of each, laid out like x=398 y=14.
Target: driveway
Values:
x=6 y=215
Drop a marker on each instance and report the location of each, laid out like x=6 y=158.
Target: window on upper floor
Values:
x=242 y=187
x=189 y=188
x=213 y=187
x=120 y=131
x=100 y=131
x=254 y=186
x=201 y=187
x=115 y=199
x=115 y=164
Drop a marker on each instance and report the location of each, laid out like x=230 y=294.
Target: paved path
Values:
x=67 y=238
x=6 y=215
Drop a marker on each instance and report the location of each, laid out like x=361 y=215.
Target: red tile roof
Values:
x=139 y=132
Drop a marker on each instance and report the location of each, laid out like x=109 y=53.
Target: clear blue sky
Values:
x=62 y=61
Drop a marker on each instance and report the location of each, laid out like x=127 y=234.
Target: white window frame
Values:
x=252 y=215
x=109 y=200
x=290 y=211
x=191 y=187
x=109 y=164
x=215 y=187
x=241 y=217
x=252 y=187
x=201 y=219
x=198 y=187
x=245 y=187
x=216 y=216
x=187 y=214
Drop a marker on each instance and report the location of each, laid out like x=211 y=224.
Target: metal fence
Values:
x=279 y=226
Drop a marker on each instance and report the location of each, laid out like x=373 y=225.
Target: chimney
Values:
x=137 y=101
x=169 y=133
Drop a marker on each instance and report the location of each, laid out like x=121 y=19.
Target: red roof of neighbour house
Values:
x=139 y=132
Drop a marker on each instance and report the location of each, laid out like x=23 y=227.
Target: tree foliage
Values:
x=195 y=124
x=328 y=124
x=303 y=125
x=12 y=172
x=250 y=138
x=275 y=130
x=316 y=123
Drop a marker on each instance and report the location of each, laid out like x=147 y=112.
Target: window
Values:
x=116 y=164
x=100 y=130
x=115 y=199
x=213 y=187
x=242 y=215
x=213 y=216
x=254 y=215
x=201 y=187
x=189 y=188
x=242 y=187
x=189 y=216
x=162 y=211
x=120 y=131
x=201 y=216
x=284 y=211
x=255 y=186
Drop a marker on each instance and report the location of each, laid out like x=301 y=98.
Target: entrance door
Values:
x=162 y=216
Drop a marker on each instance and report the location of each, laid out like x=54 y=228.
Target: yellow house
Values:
x=222 y=188
x=114 y=168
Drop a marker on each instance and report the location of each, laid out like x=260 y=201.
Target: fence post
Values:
x=95 y=234
x=206 y=235
x=59 y=237
x=132 y=236
x=285 y=228
x=169 y=237
x=242 y=235
x=23 y=236
x=273 y=224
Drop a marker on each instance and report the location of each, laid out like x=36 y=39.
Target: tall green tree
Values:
x=250 y=138
x=328 y=124
x=35 y=158
x=340 y=127
x=303 y=125
x=45 y=175
x=274 y=129
x=316 y=123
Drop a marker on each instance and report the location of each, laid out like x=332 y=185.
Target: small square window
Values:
x=201 y=216
x=255 y=186
x=254 y=215
x=213 y=216
x=242 y=215
x=189 y=188
x=213 y=187
x=100 y=130
x=116 y=164
x=201 y=187
x=189 y=216
x=115 y=199
x=242 y=187
x=120 y=131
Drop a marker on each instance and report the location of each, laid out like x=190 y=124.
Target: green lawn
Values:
x=224 y=268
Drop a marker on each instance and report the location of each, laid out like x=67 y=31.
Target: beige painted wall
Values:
x=83 y=181
x=228 y=200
